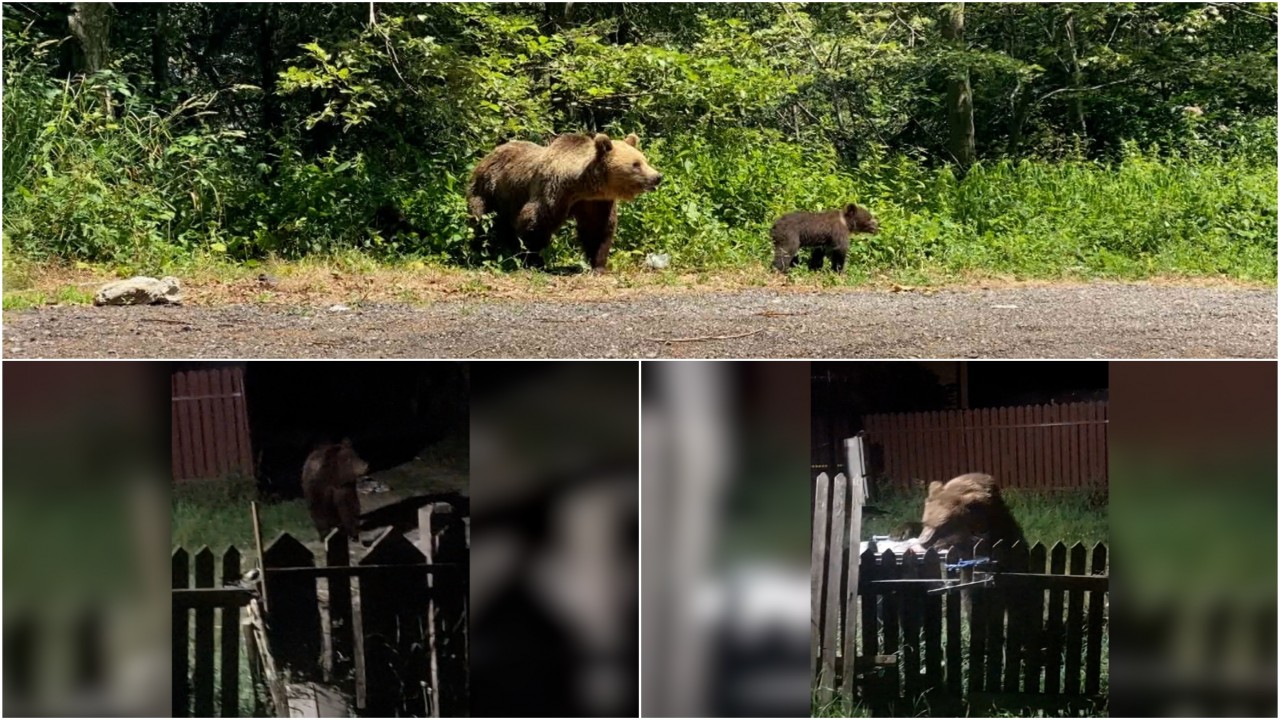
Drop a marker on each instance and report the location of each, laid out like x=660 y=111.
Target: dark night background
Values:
x=392 y=411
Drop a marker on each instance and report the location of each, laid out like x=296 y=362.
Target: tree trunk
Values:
x=90 y=22
x=271 y=114
x=1077 y=80
x=160 y=48
x=959 y=93
x=1021 y=109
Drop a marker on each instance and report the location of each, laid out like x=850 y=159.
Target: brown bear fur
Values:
x=965 y=509
x=329 y=485
x=826 y=232
x=533 y=190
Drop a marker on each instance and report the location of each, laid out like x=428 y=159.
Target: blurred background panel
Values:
x=86 y=539
x=726 y=539
x=555 y=541
x=1193 y=468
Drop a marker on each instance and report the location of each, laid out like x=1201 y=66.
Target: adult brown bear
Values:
x=965 y=509
x=329 y=485
x=533 y=190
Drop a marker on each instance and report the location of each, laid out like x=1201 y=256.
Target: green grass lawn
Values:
x=1069 y=516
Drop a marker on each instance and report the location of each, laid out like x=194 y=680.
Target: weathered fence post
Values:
x=857 y=498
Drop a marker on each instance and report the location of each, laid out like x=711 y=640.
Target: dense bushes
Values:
x=749 y=111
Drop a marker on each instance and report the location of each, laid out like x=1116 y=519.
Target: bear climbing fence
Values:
x=892 y=630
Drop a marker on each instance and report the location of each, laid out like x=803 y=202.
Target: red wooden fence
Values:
x=209 y=424
x=1035 y=447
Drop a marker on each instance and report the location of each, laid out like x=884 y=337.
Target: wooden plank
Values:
x=393 y=615
x=229 y=672
x=1003 y=470
x=427 y=546
x=912 y=609
x=857 y=485
x=242 y=421
x=1038 y=449
x=932 y=626
x=1016 y=603
x=1100 y=460
x=868 y=573
x=180 y=631
x=1033 y=662
x=817 y=571
x=835 y=547
x=221 y=439
x=293 y=624
x=202 y=676
x=978 y=632
x=181 y=410
x=892 y=676
x=1020 y=437
x=955 y=442
x=955 y=670
x=1093 y=657
x=208 y=441
x=342 y=660
x=995 y=624
x=255 y=673
x=1054 y=624
x=1075 y=622
x=1059 y=453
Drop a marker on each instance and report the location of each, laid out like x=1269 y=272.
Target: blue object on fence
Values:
x=970 y=563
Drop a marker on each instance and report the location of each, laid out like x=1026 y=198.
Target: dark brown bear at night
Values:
x=827 y=233
x=329 y=485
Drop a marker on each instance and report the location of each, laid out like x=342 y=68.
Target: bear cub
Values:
x=329 y=485
x=825 y=232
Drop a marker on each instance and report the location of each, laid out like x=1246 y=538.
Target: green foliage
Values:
x=1119 y=139
x=133 y=187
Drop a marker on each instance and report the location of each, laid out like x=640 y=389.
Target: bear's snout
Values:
x=657 y=180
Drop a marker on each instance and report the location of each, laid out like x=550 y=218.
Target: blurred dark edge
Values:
x=1193 y=501
x=546 y=438
x=86 y=538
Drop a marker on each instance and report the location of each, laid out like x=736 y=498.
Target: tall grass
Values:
x=1206 y=215
x=145 y=188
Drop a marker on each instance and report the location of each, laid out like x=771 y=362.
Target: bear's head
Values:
x=627 y=172
x=860 y=220
x=965 y=509
x=346 y=460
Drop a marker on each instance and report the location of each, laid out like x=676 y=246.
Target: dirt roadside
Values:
x=1100 y=320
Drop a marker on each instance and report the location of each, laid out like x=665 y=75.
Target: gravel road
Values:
x=1089 y=321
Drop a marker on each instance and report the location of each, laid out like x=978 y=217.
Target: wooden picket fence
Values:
x=394 y=642
x=1038 y=447
x=888 y=633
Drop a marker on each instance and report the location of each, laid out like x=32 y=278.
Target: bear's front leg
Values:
x=597 y=222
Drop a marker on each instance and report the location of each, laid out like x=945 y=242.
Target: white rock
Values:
x=656 y=261
x=140 y=290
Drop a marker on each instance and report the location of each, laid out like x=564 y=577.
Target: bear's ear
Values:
x=851 y=208
x=632 y=140
x=935 y=487
x=603 y=144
